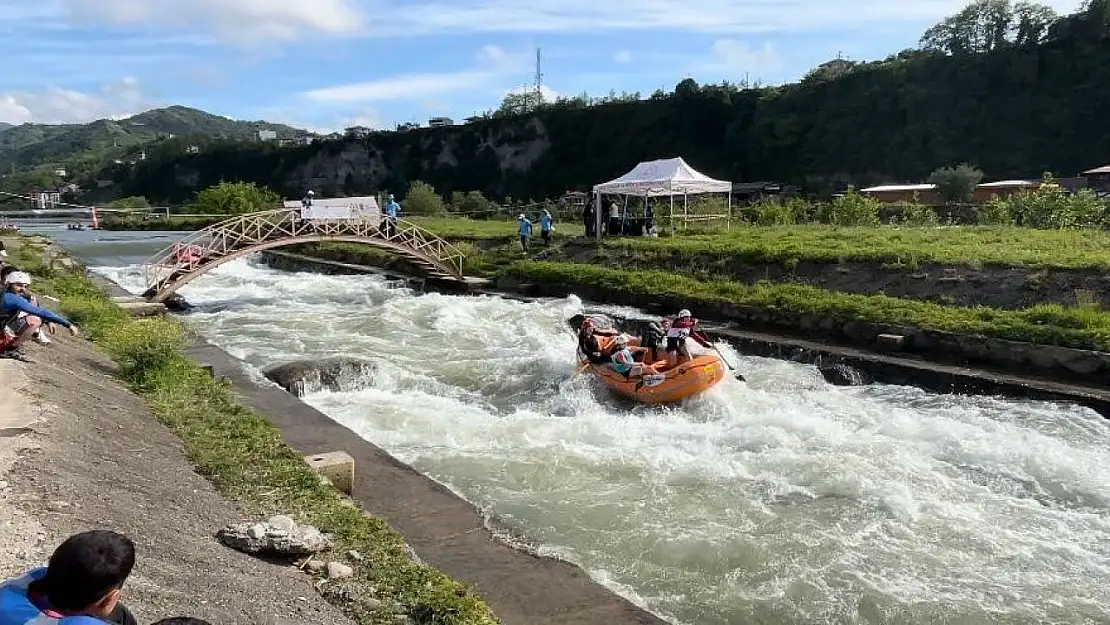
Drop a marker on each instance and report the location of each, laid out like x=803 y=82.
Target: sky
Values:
x=325 y=65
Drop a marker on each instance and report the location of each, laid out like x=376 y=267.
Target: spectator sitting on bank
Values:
x=15 y=328
x=81 y=584
x=39 y=336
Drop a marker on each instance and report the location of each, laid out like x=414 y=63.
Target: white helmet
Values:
x=620 y=340
x=18 y=277
x=683 y=313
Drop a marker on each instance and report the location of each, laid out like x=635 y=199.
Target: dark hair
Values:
x=181 y=620
x=6 y=270
x=86 y=567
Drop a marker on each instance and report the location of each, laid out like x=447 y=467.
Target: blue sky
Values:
x=328 y=64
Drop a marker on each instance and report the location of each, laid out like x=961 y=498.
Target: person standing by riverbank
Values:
x=389 y=212
x=547 y=225
x=525 y=230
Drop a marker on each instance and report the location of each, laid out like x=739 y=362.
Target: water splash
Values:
x=784 y=500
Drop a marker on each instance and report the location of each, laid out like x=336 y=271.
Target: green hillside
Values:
x=34 y=149
x=1014 y=105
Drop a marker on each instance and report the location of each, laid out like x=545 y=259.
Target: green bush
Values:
x=853 y=209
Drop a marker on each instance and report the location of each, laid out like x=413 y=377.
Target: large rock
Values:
x=843 y=375
x=277 y=536
x=331 y=374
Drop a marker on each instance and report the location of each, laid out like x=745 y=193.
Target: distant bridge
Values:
x=204 y=250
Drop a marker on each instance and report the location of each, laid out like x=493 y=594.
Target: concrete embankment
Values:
x=79 y=451
x=890 y=367
x=444 y=530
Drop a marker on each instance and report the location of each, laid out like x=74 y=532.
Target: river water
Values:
x=782 y=501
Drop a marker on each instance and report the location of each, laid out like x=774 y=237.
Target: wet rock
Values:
x=338 y=570
x=410 y=553
x=843 y=375
x=314 y=566
x=332 y=374
x=354 y=555
x=274 y=539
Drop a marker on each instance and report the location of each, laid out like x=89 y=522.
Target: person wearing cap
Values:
x=16 y=328
x=624 y=362
x=524 y=227
x=80 y=585
x=678 y=330
x=547 y=225
x=39 y=335
x=390 y=211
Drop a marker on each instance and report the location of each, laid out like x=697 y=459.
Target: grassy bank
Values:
x=1081 y=327
x=114 y=222
x=247 y=459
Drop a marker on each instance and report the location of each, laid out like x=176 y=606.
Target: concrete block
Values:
x=143 y=309
x=337 y=466
x=891 y=341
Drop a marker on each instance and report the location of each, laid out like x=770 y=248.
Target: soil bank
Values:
x=79 y=451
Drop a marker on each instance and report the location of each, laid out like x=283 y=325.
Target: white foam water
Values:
x=783 y=500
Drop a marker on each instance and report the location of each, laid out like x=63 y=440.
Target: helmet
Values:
x=311 y=192
x=587 y=324
x=684 y=313
x=520 y=216
x=18 y=277
x=620 y=340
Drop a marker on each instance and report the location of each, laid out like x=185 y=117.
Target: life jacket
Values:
x=681 y=327
x=623 y=360
x=17 y=609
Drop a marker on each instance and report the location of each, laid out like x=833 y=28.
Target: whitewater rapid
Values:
x=784 y=500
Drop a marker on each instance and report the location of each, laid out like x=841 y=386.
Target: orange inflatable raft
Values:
x=698 y=375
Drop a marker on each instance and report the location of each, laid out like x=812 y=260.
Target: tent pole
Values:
x=728 y=220
x=672 y=214
x=685 y=211
x=597 y=214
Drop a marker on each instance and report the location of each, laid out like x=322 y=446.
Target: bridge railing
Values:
x=254 y=229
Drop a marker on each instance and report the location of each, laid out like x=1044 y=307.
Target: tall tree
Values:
x=987 y=25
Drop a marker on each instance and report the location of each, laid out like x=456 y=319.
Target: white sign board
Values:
x=340 y=208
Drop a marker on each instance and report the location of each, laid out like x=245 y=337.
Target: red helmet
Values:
x=587 y=323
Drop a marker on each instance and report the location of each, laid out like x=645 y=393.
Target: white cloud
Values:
x=492 y=64
x=243 y=22
x=55 y=105
x=734 y=57
x=252 y=22
x=624 y=56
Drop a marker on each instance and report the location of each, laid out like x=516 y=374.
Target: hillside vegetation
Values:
x=35 y=150
x=1011 y=89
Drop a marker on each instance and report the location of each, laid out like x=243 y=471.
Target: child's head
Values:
x=86 y=572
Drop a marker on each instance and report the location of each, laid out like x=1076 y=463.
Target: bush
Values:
x=1050 y=207
x=422 y=199
x=235 y=198
x=853 y=209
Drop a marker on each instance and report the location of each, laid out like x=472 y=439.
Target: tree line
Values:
x=1010 y=89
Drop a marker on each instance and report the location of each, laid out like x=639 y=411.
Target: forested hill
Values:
x=1011 y=89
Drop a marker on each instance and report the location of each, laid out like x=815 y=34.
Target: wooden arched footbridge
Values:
x=180 y=263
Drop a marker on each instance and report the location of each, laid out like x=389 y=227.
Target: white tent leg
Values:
x=597 y=215
x=728 y=219
x=672 y=215
x=685 y=212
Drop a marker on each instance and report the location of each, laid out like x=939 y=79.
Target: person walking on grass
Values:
x=525 y=229
x=547 y=226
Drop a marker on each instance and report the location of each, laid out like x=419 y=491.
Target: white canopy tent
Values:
x=667 y=177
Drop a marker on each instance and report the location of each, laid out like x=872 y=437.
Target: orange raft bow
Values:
x=668 y=386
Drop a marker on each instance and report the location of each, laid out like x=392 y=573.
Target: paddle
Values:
x=700 y=338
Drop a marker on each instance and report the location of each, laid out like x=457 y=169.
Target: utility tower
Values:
x=539 y=79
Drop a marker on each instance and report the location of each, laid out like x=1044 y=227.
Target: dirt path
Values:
x=97 y=458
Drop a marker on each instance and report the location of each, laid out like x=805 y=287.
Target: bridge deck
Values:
x=179 y=263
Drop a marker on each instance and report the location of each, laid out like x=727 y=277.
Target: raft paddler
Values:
x=588 y=343
x=624 y=362
x=678 y=330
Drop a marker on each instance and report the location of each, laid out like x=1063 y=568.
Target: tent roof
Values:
x=663 y=177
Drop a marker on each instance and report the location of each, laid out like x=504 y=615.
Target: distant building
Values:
x=267 y=135
x=192 y=149
x=42 y=200
x=61 y=173
x=439 y=122
x=1098 y=180
x=474 y=118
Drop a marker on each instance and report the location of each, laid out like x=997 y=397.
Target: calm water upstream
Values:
x=785 y=500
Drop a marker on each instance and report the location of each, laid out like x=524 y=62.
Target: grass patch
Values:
x=1086 y=327
x=247 y=459
x=960 y=245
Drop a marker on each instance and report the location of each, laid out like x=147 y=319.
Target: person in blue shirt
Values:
x=15 y=328
x=525 y=229
x=81 y=584
x=390 y=212
x=547 y=224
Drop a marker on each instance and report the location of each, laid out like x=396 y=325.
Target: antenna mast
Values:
x=539 y=78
